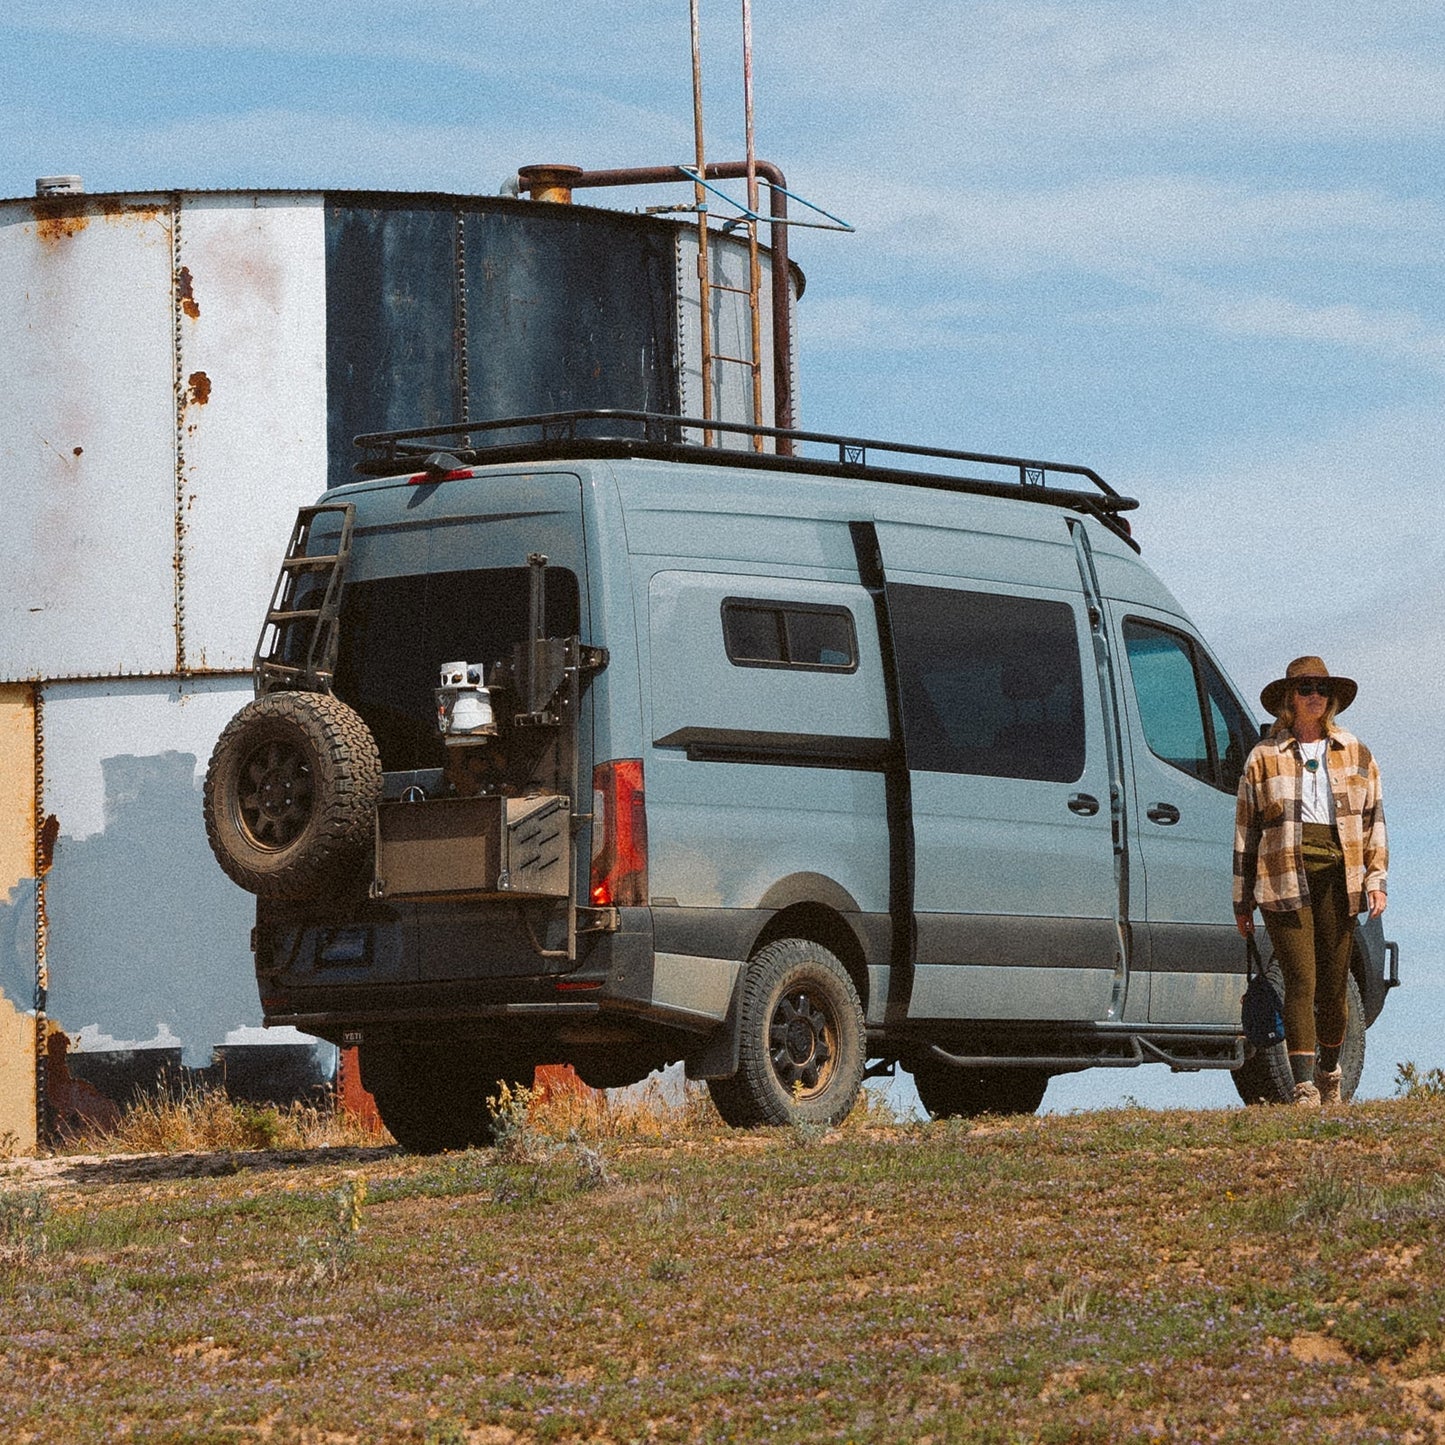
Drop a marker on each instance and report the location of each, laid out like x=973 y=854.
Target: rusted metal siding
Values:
x=731 y=332
x=393 y=324
x=87 y=438
x=250 y=409
x=166 y=412
x=181 y=371
x=569 y=307
x=18 y=841
x=443 y=308
x=148 y=940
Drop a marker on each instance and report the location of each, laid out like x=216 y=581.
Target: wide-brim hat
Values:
x=1342 y=689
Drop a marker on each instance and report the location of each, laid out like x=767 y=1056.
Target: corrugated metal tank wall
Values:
x=182 y=370
x=483 y=309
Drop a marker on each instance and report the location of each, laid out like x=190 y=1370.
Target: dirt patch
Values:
x=1425 y=1400
x=67 y=1170
x=1315 y=1349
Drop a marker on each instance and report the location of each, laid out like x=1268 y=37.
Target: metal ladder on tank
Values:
x=712 y=357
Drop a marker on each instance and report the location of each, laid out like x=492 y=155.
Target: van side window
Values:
x=1191 y=719
x=991 y=684
x=759 y=633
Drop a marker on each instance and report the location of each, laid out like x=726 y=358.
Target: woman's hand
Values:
x=1244 y=922
x=1377 y=902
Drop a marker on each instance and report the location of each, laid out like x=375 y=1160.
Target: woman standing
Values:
x=1310 y=852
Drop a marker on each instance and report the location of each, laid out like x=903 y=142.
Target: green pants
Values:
x=1313 y=946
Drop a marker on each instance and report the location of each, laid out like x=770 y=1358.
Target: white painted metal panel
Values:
x=252 y=338
x=148 y=938
x=87 y=438
x=732 y=393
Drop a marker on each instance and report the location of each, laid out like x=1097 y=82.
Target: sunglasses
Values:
x=1312 y=689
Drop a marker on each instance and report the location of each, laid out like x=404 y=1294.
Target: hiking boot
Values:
x=1306 y=1096
x=1328 y=1081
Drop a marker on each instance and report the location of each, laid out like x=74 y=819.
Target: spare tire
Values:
x=290 y=795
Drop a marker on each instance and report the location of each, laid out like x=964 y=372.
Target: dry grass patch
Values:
x=197 y=1118
x=1096 y=1278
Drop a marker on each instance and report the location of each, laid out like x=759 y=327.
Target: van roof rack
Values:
x=611 y=432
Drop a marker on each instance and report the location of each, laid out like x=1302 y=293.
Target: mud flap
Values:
x=718 y=1054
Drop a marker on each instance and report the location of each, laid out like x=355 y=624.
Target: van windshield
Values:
x=396 y=632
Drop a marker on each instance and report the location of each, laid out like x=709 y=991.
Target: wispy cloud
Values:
x=1239 y=259
x=1130 y=226
x=1312 y=72
x=1397 y=333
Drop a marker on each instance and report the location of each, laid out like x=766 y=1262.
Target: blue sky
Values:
x=1196 y=247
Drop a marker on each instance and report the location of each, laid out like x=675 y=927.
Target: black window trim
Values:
x=783 y=605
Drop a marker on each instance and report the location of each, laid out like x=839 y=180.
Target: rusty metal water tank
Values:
x=181 y=370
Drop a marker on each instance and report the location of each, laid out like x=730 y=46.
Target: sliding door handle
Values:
x=1165 y=813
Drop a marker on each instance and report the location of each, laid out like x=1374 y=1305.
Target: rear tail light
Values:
x=619 y=835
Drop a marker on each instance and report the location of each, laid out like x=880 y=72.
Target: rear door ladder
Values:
x=297 y=647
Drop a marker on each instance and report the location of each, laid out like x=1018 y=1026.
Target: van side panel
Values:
x=1015 y=893
x=764 y=779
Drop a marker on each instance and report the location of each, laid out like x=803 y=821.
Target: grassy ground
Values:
x=1242 y=1275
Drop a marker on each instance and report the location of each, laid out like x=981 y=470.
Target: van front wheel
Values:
x=801 y=1040
x=948 y=1092
x=1266 y=1077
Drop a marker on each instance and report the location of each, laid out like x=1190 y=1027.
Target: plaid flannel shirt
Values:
x=1268 y=867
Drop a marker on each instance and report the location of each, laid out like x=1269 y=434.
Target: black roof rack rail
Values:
x=618 y=432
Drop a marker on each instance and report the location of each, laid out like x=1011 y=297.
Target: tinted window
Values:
x=990 y=684
x=758 y=633
x=1235 y=731
x=1168 y=696
x=397 y=631
x=1191 y=720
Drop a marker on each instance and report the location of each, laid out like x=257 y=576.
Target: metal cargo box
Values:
x=474 y=848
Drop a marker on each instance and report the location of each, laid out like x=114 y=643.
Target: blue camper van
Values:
x=579 y=741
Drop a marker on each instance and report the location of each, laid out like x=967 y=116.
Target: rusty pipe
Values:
x=777 y=243
x=550 y=183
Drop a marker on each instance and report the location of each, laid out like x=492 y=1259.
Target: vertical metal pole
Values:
x=182 y=402
x=755 y=276
x=44 y=842
x=700 y=199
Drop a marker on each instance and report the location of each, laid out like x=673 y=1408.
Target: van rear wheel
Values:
x=948 y=1092
x=433 y=1097
x=801 y=1040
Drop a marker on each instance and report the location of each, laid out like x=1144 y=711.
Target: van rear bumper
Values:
x=619 y=974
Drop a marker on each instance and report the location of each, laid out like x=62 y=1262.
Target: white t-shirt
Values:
x=1316 y=796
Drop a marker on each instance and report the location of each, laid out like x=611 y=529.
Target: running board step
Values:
x=1183 y=1054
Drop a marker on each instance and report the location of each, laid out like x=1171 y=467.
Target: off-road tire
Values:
x=433 y=1097
x=1265 y=1077
x=801 y=1040
x=948 y=1092
x=290 y=795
